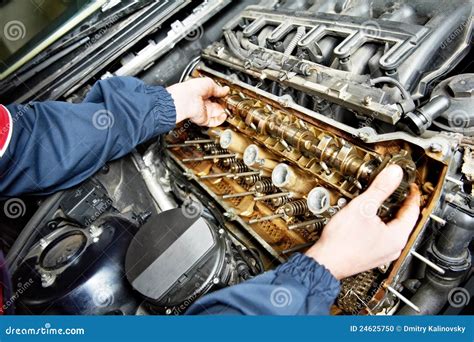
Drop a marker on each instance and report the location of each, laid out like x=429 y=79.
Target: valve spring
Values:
x=296 y=208
x=319 y=225
x=209 y=146
x=238 y=167
x=264 y=186
x=219 y=150
x=278 y=202
x=226 y=162
x=252 y=179
x=241 y=182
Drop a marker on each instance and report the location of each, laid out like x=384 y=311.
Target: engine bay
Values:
x=323 y=96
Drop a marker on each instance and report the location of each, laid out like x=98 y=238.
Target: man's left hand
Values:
x=193 y=101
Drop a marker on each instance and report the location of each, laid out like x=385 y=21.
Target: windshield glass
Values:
x=26 y=23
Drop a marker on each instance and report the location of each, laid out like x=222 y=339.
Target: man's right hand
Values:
x=356 y=239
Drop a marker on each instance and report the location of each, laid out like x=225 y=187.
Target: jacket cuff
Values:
x=313 y=276
x=164 y=110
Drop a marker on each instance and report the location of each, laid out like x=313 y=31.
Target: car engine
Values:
x=323 y=96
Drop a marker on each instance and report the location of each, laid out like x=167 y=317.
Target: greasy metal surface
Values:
x=270 y=212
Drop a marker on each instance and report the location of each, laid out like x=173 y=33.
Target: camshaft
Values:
x=330 y=151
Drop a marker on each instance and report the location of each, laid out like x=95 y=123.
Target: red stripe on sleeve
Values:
x=5 y=129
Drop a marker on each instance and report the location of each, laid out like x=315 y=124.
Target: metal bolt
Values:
x=435 y=147
x=367 y=100
x=230 y=215
x=363 y=136
x=95 y=232
x=341 y=202
x=450 y=197
x=47 y=279
x=285 y=144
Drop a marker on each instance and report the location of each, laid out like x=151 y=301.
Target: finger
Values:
x=406 y=217
x=217 y=121
x=383 y=185
x=219 y=91
x=213 y=109
x=210 y=88
x=215 y=114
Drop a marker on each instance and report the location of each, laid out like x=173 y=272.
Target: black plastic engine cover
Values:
x=174 y=259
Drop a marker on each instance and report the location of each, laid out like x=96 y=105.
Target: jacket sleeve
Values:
x=56 y=145
x=300 y=286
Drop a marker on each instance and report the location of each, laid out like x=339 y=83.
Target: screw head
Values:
x=363 y=136
x=367 y=100
x=435 y=147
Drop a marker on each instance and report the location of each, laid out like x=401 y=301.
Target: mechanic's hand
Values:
x=193 y=101
x=357 y=240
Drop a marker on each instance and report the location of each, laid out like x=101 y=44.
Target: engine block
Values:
x=282 y=175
